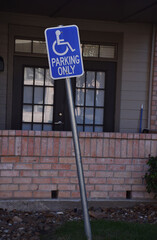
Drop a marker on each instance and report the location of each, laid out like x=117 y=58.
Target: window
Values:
x=89 y=101
x=38 y=99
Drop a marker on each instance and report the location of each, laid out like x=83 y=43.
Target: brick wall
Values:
x=42 y=164
x=153 y=123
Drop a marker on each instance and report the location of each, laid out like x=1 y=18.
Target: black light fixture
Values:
x=1 y=64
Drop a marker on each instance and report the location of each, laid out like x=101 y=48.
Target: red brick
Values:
x=97 y=180
x=29 y=159
x=122 y=174
x=48 y=173
x=47 y=187
x=68 y=151
x=18 y=146
x=30 y=146
x=22 y=194
x=29 y=173
x=42 y=180
x=111 y=148
x=5 y=180
x=115 y=180
x=117 y=194
x=116 y=167
x=50 y=147
x=135 y=148
x=24 y=166
x=141 y=148
x=9 y=159
x=62 y=147
x=65 y=187
x=11 y=173
x=133 y=180
x=153 y=148
x=22 y=180
x=103 y=188
x=75 y=180
x=137 y=195
x=56 y=146
x=89 y=160
x=106 y=148
x=99 y=147
x=117 y=147
x=11 y=150
x=97 y=167
x=67 y=173
x=8 y=187
x=97 y=194
x=24 y=146
x=6 y=166
x=6 y=194
x=137 y=188
x=93 y=148
x=37 y=147
x=49 y=159
x=4 y=146
x=104 y=174
x=28 y=187
x=58 y=180
x=130 y=148
x=64 y=194
x=43 y=146
x=42 y=166
x=82 y=145
x=87 y=147
x=67 y=160
x=61 y=166
x=123 y=161
x=42 y=194
x=134 y=168
x=75 y=194
x=121 y=187
x=89 y=173
x=123 y=148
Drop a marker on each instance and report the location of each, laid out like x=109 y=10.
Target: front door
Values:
x=40 y=103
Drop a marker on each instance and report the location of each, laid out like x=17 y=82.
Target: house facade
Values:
x=114 y=100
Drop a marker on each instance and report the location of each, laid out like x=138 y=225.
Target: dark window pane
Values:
x=100 y=80
x=79 y=114
x=37 y=114
x=37 y=127
x=90 y=81
x=99 y=98
x=28 y=95
x=27 y=113
x=39 y=76
x=80 y=81
x=88 y=128
x=80 y=97
x=89 y=115
x=26 y=126
x=28 y=76
x=47 y=127
x=89 y=97
x=99 y=115
x=38 y=95
x=98 y=129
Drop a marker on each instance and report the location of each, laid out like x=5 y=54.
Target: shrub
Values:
x=151 y=176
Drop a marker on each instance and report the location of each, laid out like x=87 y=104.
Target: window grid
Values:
x=42 y=45
x=94 y=125
x=41 y=123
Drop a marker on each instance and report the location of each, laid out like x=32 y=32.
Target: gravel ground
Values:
x=17 y=225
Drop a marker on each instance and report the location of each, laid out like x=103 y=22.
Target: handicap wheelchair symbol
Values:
x=60 y=42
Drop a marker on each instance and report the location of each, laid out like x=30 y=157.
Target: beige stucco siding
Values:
x=135 y=80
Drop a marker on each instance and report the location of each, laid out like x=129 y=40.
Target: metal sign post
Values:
x=65 y=61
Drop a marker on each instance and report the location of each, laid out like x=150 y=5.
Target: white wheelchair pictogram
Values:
x=61 y=42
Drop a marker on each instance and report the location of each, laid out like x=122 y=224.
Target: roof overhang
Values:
x=106 y=10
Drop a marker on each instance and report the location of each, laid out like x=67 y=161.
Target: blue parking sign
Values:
x=64 y=53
